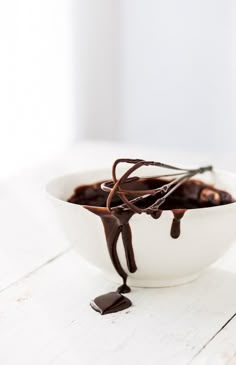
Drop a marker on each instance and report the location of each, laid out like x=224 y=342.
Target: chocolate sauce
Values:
x=191 y=194
x=117 y=224
x=175 y=227
x=110 y=303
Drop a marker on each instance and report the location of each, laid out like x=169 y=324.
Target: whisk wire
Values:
x=117 y=186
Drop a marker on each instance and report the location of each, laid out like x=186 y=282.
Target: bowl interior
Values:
x=63 y=187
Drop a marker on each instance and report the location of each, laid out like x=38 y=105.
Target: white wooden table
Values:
x=45 y=289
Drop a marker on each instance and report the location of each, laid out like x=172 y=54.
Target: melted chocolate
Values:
x=191 y=194
x=110 y=303
x=175 y=227
x=116 y=224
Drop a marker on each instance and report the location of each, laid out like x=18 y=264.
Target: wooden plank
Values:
x=221 y=349
x=45 y=318
x=26 y=240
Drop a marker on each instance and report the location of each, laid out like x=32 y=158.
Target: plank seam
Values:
x=48 y=262
x=212 y=338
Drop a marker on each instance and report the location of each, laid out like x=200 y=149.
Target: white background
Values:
x=154 y=72
x=37 y=97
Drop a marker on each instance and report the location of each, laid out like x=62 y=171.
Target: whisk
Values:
x=116 y=185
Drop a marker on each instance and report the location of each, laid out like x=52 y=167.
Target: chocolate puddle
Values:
x=110 y=303
x=191 y=194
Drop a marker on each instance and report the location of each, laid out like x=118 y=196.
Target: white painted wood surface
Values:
x=45 y=289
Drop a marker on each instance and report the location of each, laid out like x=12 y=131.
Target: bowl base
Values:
x=158 y=283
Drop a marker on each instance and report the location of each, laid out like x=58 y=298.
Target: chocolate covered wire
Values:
x=114 y=186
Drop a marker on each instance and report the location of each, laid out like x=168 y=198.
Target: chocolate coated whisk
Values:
x=116 y=186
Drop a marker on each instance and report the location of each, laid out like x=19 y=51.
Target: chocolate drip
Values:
x=112 y=232
x=129 y=252
x=116 y=224
x=155 y=214
x=175 y=227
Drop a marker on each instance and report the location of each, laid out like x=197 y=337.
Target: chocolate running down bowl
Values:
x=206 y=232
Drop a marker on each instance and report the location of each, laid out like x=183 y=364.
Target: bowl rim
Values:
x=105 y=169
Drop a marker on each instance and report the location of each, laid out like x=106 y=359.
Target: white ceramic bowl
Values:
x=206 y=233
